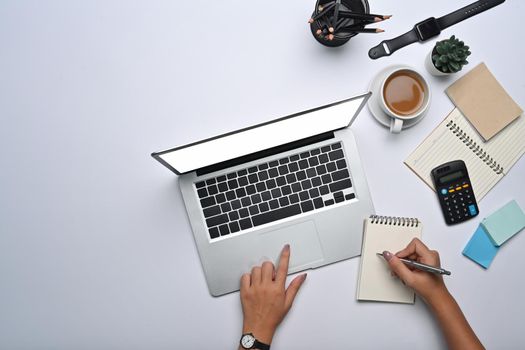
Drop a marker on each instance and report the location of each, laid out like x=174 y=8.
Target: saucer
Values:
x=374 y=101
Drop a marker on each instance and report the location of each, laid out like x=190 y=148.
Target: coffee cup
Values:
x=405 y=96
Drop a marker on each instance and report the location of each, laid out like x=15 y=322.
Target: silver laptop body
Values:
x=296 y=180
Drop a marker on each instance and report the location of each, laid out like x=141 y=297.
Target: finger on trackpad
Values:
x=305 y=248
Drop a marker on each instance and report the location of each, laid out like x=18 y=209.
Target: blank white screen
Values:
x=313 y=122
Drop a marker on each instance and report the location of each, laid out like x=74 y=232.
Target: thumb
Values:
x=292 y=290
x=398 y=268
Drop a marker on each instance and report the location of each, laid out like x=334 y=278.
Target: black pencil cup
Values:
x=321 y=23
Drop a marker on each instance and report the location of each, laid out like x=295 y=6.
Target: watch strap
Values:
x=260 y=346
x=388 y=47
x=466 y=12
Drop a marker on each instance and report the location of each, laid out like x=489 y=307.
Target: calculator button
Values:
x=465 y=186
x=472 y=209
x=444 y=191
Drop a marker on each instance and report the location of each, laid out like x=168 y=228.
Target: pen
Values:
x=421 y=266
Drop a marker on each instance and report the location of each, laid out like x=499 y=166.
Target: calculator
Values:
x=454 y=191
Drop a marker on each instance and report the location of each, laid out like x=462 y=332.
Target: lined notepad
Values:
x=382 y=233
x=453 y=139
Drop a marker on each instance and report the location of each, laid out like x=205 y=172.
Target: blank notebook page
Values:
x=375 y=282
x=453 y=139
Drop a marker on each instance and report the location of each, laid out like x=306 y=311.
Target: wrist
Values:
x=438 y=298
x=262 y=333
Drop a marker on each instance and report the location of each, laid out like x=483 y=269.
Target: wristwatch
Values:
x=430 y=28
x=248 y=341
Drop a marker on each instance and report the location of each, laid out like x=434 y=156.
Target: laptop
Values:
x=294 y=180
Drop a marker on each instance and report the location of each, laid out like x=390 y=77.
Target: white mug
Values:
x=397 y=120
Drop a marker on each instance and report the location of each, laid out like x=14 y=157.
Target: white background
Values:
x=96 y=250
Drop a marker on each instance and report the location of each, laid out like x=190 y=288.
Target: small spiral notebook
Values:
x=455 y=138
x=382 y=233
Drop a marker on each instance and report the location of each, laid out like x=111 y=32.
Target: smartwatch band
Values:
x=430 y=27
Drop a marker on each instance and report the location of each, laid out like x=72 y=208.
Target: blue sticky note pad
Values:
x=504 y=223
x=480 y=248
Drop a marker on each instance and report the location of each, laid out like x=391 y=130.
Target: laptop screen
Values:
x=262 y=136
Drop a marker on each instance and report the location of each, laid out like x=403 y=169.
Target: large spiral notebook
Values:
x=455 y=138
x=382 y=233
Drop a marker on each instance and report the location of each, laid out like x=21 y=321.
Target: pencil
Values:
x=376 y=18
x=320 y=7
x=358 y=29
x=336 y=15
x=347 y=22
x=321 y=13
x=343 y=22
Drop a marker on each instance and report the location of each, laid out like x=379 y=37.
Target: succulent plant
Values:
x=450 y=55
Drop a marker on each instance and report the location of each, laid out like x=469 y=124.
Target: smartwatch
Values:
x=248 y=341
x=430 y=28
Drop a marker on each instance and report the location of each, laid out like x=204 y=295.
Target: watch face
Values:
x=247 y=341
x=427 y=29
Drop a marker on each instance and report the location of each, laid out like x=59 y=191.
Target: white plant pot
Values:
x=429 y=64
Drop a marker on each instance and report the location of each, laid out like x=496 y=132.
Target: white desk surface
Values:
x=96 y=250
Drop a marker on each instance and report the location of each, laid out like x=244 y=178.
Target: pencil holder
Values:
x=323 y=23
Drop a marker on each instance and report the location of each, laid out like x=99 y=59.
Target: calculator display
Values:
x=450 y=177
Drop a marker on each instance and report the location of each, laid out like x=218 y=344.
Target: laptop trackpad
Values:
x=305 y=247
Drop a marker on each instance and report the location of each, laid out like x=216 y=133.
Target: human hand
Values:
x=265 y=300
x=457 y=331
x=427 y=285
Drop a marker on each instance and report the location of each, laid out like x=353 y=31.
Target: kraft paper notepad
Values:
x=455 y=138
x=481 y=98
x=504 y=223
x=385 y=233
x=480 y=248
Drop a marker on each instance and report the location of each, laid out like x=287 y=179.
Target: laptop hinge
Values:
x=265 y=153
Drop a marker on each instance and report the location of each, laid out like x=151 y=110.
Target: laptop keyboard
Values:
x=275 y=190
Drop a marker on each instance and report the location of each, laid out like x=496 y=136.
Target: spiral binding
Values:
x=477 y=149
x=394 y=220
